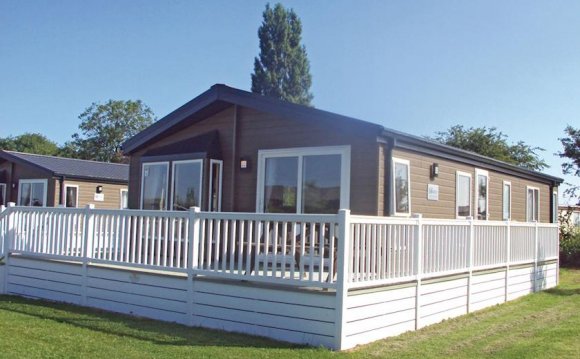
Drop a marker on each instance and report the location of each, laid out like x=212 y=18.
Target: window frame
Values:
x=528 y=188
x=407 y=163
x=3 y=190
x=470 y=176
x=65 y=194
x=509 y=184
x=210 y=188
x=484 y=173
x=554 y=206
x=300 y=152
x=32 y=181
x=173 y=164
x=121 y=190
x=143 y=181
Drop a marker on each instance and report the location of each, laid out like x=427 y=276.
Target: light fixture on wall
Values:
x=434 y=170
x=99 y=189
x=245 y=164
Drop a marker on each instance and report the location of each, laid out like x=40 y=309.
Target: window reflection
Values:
x=187 y=185
x=321 y=184
x=155 y=186
x=280 y=185
x=401 y=188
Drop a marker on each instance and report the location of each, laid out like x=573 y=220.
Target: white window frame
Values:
x=509 y=184
x=77 y=199
x=465 y=174
x=31 y=181
x=209 y=199
x=484 y=173
x=121 y=198
x=528 y=188
x=300 y=152
x=394 y=201
x=174 y=163
x=3 y=190
x=143 y=165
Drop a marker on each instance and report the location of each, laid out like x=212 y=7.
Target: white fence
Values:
x=298 y=250
x=442 y=268
x=390 y=250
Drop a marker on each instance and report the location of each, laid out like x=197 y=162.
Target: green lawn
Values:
x=541 y=325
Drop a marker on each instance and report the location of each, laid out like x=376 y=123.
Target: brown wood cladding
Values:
x=259 y=131
x=86 y=194
x=445 y=206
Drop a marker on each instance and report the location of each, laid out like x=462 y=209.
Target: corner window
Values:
x=401 y=188
x=32 y=193
x=2 y=194
x=187 y=184
x=533 y=204
x=481 y=194
x=215 y=185
x=463 y=195
x=124 y=198
x=303 y=180
x=71 y=196
x=507 y=201
x=154 y=180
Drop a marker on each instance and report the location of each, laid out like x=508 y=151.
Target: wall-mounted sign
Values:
x=432 y=192
x=100 y=197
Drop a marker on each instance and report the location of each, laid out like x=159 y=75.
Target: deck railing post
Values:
x=418 y=268
x=470 y=261
x=343 y=274
x=9 y=236
x=87 y=253
x=507 y=259
x=536 y=255
x=192 y=258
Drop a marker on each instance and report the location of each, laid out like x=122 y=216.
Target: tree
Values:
x=492 y=143
x=30 y=143
x=105 y=127
x=282 y=69
x=571 y=144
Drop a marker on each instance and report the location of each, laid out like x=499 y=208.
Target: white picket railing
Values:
x=389 y=250
x=299 y=250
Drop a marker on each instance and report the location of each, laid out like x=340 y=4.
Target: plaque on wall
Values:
x=432 y=192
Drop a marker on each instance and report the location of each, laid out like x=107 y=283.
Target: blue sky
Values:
x=414 y=66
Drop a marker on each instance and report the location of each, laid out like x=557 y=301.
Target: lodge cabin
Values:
x=234 y=151
x=48 y=181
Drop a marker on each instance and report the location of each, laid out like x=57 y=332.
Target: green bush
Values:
x=570 y=249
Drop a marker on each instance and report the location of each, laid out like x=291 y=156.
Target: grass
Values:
x=541 y=325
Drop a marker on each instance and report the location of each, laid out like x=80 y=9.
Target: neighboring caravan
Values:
x=231 y=150
x=47 y=181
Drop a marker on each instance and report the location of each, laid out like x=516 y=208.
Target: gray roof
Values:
x=70 y=167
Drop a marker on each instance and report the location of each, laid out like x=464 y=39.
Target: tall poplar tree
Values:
x=282 y=69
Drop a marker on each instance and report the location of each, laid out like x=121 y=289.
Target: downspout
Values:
x=389 y=186
x=234 y=159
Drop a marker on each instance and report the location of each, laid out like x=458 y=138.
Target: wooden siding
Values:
x=259 y=131
x=445 y=207
x=86 y=193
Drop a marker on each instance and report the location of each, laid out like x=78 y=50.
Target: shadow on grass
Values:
x=125 y=326
x=563 y=291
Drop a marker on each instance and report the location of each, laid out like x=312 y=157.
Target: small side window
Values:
x=463 y=195
x=401 y=188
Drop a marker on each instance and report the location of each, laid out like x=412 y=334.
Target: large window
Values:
x=401 y=196
x=32 y=193
x=533 y=204
x=481 y=194
x=304 y=180
x=463 y=195
x=154 y=186
x=71 y=195
x=2 y=194
x=507 y=201
x=187 y=183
